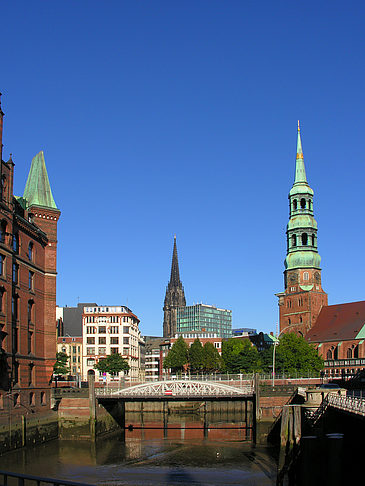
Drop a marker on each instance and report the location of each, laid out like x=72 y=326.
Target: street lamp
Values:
x=273 y=353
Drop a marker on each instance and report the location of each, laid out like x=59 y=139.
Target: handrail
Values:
x=348 y=404
x=21 y=477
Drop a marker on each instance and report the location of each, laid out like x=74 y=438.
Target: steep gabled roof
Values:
x=37 y=190
x=341 y=322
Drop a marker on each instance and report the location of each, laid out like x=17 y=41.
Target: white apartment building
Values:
x=107 y=330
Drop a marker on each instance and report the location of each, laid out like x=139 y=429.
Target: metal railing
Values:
x=176 y=388
x=348 y=404
x=20 y=480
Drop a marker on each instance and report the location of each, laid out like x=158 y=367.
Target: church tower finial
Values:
x=174 y=298
x=303 y=297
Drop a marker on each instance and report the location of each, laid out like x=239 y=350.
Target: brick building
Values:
x=28 y=251
x=112 y=329
x=303 y=297
x=339 y=335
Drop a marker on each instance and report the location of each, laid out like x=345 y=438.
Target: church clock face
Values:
x=293 y=278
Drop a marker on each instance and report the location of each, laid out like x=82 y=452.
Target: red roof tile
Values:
x=339 y=322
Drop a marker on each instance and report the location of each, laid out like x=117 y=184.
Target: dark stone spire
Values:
x=175 y=275
x=174 y=298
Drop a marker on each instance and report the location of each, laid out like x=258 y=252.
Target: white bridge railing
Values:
x=176 y=388
x=349 y=404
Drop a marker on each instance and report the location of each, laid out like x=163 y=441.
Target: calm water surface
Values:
x=182 y=456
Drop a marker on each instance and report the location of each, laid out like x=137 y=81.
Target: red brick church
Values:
x=338 y=331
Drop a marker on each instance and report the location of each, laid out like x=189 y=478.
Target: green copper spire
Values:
x=302 y=227
x=300 y=175
x=37 y=190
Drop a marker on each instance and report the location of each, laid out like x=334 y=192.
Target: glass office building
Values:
x=204 y=318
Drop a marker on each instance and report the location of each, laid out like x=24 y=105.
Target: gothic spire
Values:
x=300 y=175
x=37 y=191
x=175 y=275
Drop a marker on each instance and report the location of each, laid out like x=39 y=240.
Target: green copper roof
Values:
x=300 y=175
x=37 y=190
x=361 y=333
x=302 y=259
x=300 y=221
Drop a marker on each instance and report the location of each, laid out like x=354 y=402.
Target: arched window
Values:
x=329 y=354
x=309 y=205
x=356 y=351
x=313 y=240
x=2 y=231
x=335 y=353
x=3 y=188
x=349 y=353
x=30 y=251
x=289 y=321
x=295 y=205
x=16 y=242
x=2 y=299
x=304 y=239
x=302 y=203
x=294 y=240
x=300 y=319
x=305 y=276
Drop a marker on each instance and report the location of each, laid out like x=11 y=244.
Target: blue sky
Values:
x=160 y=117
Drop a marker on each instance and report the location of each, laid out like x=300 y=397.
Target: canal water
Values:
x=182 y=453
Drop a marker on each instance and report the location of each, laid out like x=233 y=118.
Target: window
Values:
x=114 y=329
x=102 y=340
x=90 y=351
x=90 y=330
x=2 y=298
x=302 y=203
x=102 y=351
x=43 y=398
x=16 y=242
x=30 y=339
x=90 y=340
x=14 y=307
x=125 y=351
x=114 y=340
x=305 y=276
x=30 y=373
x=125 y=340
x=294 y=240
x=289 y=321
x=30 y=280
x=310 y=204
x=113 y=350
x=217 y=345
x=30 y=251
x=349 y=353
x=31 y=398
x=74 y=349
x=74 y=359
x=15 y=273
x=356 y=351
x=313 y=240
x=102 y=330
x=2 y=265
x=90 y=362
x=304 y=239
x=295 y=204
x=125 y=329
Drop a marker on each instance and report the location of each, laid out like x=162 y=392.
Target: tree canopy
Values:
x=211 y=358
x=196 y=356
x=239 y=356
x=295 y=354
x=114 y=363
x=177 y=357
x=61 y=365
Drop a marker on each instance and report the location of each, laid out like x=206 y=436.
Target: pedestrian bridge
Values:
x=347 y=404
x=177 y=390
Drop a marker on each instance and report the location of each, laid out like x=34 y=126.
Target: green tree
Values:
x=239 y=356
x=177 y=357
x=196 y=354
x=211 y=358
x=61 y=365
x=114 y=363
x=293 y=355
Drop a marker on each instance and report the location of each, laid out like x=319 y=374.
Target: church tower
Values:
x=303 y=298
x=174 y=298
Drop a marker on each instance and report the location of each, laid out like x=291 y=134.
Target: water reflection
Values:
x=151 y=456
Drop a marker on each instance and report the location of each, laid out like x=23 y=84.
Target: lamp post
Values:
x=273 y=353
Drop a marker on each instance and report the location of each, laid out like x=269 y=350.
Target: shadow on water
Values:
x=183 y=455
